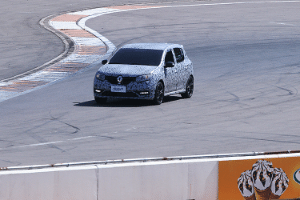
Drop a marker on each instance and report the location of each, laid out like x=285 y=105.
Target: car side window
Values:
x=179 y=54
x=169 y=57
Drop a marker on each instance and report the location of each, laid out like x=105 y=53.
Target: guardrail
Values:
x=183 y=178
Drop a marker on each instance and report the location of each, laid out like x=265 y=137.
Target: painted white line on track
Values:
x=48 y=143
x=75 y=58
x=88 y=41
x=64 y=25
x=280 y=23
x=45 y=76
x=100 y=11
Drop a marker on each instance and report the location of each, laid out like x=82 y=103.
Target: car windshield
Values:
x=130 y=56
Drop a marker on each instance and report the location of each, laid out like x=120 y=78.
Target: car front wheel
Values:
x=159 y=94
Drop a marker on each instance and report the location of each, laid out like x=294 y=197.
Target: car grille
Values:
x=118 y=94
x=113 y=80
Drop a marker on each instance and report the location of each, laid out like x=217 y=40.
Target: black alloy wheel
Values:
x=189 y=88
x=159 y=94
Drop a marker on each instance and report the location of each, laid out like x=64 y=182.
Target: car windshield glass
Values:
x=129 y=56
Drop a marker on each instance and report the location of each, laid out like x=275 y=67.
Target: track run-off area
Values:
x=246 y=63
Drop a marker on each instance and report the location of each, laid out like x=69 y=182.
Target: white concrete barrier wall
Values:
x=165 y=180
x=76 y=183
x=204 y=177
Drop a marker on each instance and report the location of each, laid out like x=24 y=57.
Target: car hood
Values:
x=128 y=70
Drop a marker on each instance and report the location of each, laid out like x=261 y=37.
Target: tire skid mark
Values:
x=89 y=47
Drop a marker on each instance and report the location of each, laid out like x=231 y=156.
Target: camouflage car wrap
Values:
x=140 y=81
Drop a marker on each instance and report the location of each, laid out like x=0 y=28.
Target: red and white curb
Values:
x=89 y=49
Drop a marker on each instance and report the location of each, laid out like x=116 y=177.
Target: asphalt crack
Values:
x=269 y=140
x=290 y=92
x=65 y=123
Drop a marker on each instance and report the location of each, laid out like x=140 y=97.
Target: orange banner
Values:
x=259 y=179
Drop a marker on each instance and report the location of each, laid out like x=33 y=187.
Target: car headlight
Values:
x=143 y=78
x=100 y=76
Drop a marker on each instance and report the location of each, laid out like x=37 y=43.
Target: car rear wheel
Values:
x=159 y=94
x=189 y=88
x=100 y=100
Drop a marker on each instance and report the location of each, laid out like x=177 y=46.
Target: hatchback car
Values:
x=145 y=71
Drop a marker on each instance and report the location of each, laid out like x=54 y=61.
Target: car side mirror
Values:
x=170 y=64
x=104 y=62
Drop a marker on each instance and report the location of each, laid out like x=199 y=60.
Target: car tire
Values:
x=159 y=94
x=100 y=100
x=189 y=90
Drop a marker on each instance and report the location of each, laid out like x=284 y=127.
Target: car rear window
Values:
x=129 y=56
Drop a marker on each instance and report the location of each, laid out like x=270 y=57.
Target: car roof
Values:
x=155 y=46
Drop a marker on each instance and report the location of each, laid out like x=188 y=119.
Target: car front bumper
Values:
x=134 y=90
